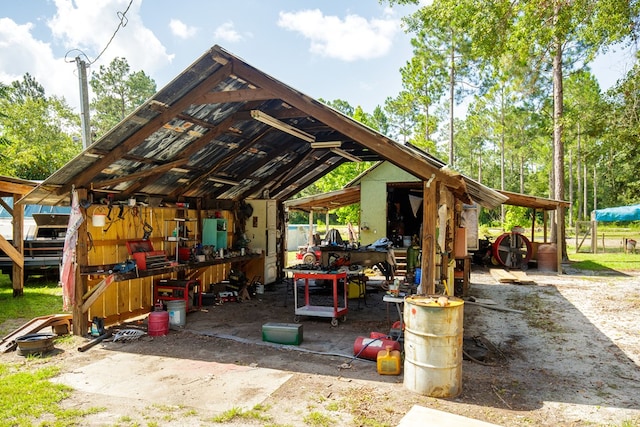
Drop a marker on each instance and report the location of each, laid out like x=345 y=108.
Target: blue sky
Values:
x=349 y=49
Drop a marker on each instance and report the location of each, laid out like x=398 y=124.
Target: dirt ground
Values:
x=571 y=358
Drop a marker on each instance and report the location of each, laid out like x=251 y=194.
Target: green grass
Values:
x=318 y=419
x=605 y=261
x=257 y=413
x=28 y=398
x=40 y=298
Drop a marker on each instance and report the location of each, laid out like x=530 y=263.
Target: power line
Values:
x=122 y=16
x=123 y=23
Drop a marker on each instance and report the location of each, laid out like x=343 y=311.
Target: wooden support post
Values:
x=429 y=220
x=80 y=317
x=18 y=243
x=559 y=236
x=310 y=236
x=533 y=226
x=594 y=236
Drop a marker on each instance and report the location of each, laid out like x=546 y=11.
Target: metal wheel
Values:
x=344 y=318
x=296 y=319
x=512 y=250
x=334 y=322
x=309 y=258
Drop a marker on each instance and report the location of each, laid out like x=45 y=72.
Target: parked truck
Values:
x=43 y=245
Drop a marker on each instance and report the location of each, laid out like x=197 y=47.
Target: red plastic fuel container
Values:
x=368 y=348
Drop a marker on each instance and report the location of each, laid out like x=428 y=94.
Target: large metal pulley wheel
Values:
x=309 y=258
x=512 y=250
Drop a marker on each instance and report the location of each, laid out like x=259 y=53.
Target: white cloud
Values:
x=349 y=39
x=227 y=32
x=21 y=53
x=89 y=25
x=182 y=30
x=78 y=26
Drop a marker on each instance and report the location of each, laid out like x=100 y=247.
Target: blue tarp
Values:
x=621 y=213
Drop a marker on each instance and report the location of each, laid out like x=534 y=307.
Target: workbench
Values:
x=365 y=257
x=334 y=312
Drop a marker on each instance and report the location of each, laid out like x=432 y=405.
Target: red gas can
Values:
x=158 y=323
x=368 y=348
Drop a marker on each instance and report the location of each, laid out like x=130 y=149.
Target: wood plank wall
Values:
x=107 y=245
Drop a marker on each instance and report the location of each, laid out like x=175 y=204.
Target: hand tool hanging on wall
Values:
x=147 y=230
x=109 y=203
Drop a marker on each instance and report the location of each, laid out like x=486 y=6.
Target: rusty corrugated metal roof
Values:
x=202 y=138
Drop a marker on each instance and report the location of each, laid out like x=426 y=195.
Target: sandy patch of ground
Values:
x=571 y=359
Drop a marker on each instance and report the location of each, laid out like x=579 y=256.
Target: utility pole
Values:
x=84 y=102
x=452 y=82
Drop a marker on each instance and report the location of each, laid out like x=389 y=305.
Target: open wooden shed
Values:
x=222 y=141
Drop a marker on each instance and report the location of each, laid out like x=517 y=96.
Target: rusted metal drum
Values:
x=547 y=257
x=433 y=345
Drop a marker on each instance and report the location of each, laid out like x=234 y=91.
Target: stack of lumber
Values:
x=516 y=277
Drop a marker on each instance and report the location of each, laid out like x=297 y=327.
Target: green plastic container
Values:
x=282 y=333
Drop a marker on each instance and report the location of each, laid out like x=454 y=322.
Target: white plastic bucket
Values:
x=433 y=346
x=177 y=313
x=98 y=220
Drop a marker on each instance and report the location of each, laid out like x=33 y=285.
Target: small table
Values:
x=398 y=301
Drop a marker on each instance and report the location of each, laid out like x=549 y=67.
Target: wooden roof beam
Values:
x=240 y=95
x=139 y=175
x=301 y=180
x=386 y=147
x=186 y=153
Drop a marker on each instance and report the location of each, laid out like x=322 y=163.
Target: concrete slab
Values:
x=146 y=378
x=420 y=416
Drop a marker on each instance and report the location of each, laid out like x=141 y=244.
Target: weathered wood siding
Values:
x=130 y=298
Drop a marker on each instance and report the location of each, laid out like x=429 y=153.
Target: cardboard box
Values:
x=282 y=333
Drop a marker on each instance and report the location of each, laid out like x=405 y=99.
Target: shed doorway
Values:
x=404 y=212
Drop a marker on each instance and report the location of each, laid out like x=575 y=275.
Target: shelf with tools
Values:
x=182 y=232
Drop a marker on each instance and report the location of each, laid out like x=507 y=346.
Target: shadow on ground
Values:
x=552 y=353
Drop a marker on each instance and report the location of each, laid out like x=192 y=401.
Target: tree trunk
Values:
x=521 y=174
x=502 y=208
x=452 y=82
x=595 y=189
x=558 y=144
x=570 y=188
x=585 y=190
x=580 y=214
